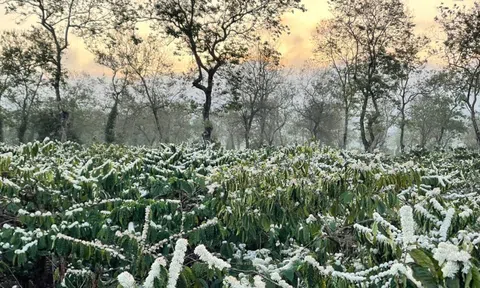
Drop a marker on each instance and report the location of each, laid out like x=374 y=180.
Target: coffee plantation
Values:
x=185 y=216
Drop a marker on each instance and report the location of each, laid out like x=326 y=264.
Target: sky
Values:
x=296 y=47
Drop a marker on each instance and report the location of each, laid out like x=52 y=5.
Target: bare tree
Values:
x=320 y=109
x=275 y=114
x=26 y=76
x=252 y=84
x=109 y=53
x=407 y=69
x=4 y=89
x=435 y=119
x=152 y=77
x=339 y=53
x=462 y=52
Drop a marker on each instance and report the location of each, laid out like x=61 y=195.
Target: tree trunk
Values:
x=475 y=125
x=231 y=141
x=374 y=138
x=64 y=115
x=2 y=137
x=247 y=139
x=248 y=127
x=22 y=129
x=157 y=124
x=111 y=121
x=366 y=144
x=345 y=129
x=402 y=131
x=263 y=120
x=207 y=133
x=423 y=138
x=440 y=138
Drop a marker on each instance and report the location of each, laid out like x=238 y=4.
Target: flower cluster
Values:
x=98 y=245
x=211 y=260
x=154 y=272
x=126 y=280
x=176 y=265
x=408 y=225
x=450 y=257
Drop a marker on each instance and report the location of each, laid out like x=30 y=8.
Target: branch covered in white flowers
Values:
x=300 y=216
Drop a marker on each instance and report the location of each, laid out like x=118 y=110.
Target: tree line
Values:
x=371 y=81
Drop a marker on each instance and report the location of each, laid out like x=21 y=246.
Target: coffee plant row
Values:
x=181 y=216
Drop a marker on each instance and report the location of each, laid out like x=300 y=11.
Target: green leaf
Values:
x=475 y=277
x=375 y=229
x=424 y=276
x=422 y=259
x=346 y=197
x=289 y=274
x=201 y=283
x=453 y=282
x=468 y=279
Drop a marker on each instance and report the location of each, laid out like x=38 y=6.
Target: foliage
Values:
x=462 y=53
x=375 y=33
x=435 y=117
x=320 y=112
x=217 y=33
x=180 y=216
x=254 y=89
x=21 y=64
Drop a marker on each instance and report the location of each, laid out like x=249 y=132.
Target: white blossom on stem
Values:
x=408 y=225
x=176 y=265
x=126 y=280
x=211 y=260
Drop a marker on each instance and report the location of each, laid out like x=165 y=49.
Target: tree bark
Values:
x=157 y=123
x=475 y=125
x=345 y=129
x=2 y=137
x=22 y=129
x=374 y=138
x=247 y=122
x=64 y=115
x=207 y=125
x=402 y=131
x=111 y=121
x=366 y=144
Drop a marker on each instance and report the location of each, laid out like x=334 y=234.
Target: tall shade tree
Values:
x=462 y=52
x=4 y=89
x=339 y=54
x=153 y=79
x=20 y=63
x=252 y=84
x=435 y=117
x=320 y=108
x=217 y=33
x=110 y=54
x=407 y=70
x=377 y=28
x=56 y=22
x=275 y=114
